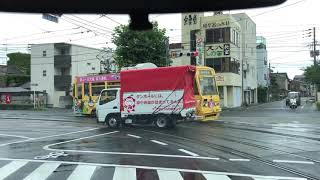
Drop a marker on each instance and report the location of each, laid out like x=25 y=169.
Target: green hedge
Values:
x=318 y=105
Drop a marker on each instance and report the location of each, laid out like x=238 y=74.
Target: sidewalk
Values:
x=244 y=107
x=64 y=115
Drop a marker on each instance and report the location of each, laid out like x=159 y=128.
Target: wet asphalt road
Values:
x=267 y=141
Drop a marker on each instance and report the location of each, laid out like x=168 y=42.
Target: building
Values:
x=299 y=84
x=262 y=62
x=3 y=70
x=176 y=51
x=226 y=42
x=55 y=65
x=279 y=85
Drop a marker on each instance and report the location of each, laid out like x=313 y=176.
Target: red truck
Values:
x=163 y=96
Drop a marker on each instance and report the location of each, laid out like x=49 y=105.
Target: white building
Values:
x=226 y=42
x=249 y=58
x=262 y=62
x=55 y=65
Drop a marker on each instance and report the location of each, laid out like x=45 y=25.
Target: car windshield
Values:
x=215 y=95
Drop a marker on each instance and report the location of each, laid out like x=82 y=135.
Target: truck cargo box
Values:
x=168 y=90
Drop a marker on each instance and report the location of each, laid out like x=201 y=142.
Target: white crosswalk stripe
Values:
x=215 y=176
x=43 y=171
x=121 y=173
x=86 y=171
x=10 y=168
x=82 y=172
x=166 y=175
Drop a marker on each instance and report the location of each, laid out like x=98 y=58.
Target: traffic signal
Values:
x=193 y=54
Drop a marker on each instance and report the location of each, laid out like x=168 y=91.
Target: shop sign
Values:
x=218 y=50
x=215 y=24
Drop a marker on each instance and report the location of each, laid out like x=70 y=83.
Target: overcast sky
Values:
x=283 y=26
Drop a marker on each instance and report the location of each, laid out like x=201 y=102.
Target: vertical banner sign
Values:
x=200 y=49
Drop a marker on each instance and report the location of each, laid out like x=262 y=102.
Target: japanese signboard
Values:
x=200 y=49
x=215 y=24
x=218 y=50
x=98 y=78
x=153 y=102
x=190 y=19
x=219 y=77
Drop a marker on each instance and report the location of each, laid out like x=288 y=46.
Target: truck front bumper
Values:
x=211 y=117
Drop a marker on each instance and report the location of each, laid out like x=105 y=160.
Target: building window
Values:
x=237 y=39
x=44 y=73
x=265 y=61
x=193 y=42
x=93 y=68
x=265 y=76
x=244 y=74
x=219 y=35
x=221 y=93
x=44 y=53
x=225 y=64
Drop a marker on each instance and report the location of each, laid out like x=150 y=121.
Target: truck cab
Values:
x=108 y=107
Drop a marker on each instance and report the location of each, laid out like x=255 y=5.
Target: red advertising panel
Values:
x=177 y=80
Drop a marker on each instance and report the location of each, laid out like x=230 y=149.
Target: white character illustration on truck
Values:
x=163 y=96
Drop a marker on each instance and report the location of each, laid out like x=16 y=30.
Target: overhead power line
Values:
x=98 y=25
x=76 y=23
x=104 y=15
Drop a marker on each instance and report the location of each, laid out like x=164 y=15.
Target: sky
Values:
x=285 y=28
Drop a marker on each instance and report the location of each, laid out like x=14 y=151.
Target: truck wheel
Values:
x=161 y=122
x=112 y=121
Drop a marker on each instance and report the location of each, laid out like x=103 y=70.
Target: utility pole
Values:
x=315 y=54
x=314 y=47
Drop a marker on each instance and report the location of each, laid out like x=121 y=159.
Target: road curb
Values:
x=51 y=119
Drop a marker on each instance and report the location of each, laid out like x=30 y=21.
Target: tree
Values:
x=262 y=94
x=274 y=86
x=21 y=61
x=312 y=74
x=135 y=47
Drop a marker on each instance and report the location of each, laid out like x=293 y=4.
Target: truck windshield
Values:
x=107 y=96
x=293 y=95
x=208 y=86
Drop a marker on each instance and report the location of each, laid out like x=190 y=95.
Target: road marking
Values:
x=239 y=159
x=43 y=171
x=131 y=135
x=297 y=162
x=302 y=106
x=188 y=152
x=82 y=172
x=151 y=168
x=159 y=142
x=164 y=175
x=86 y=137
x=194 y=156
x=44 y=137
x=11 y=168
x=215 y=176
x=121 y=173
x=9 y=135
